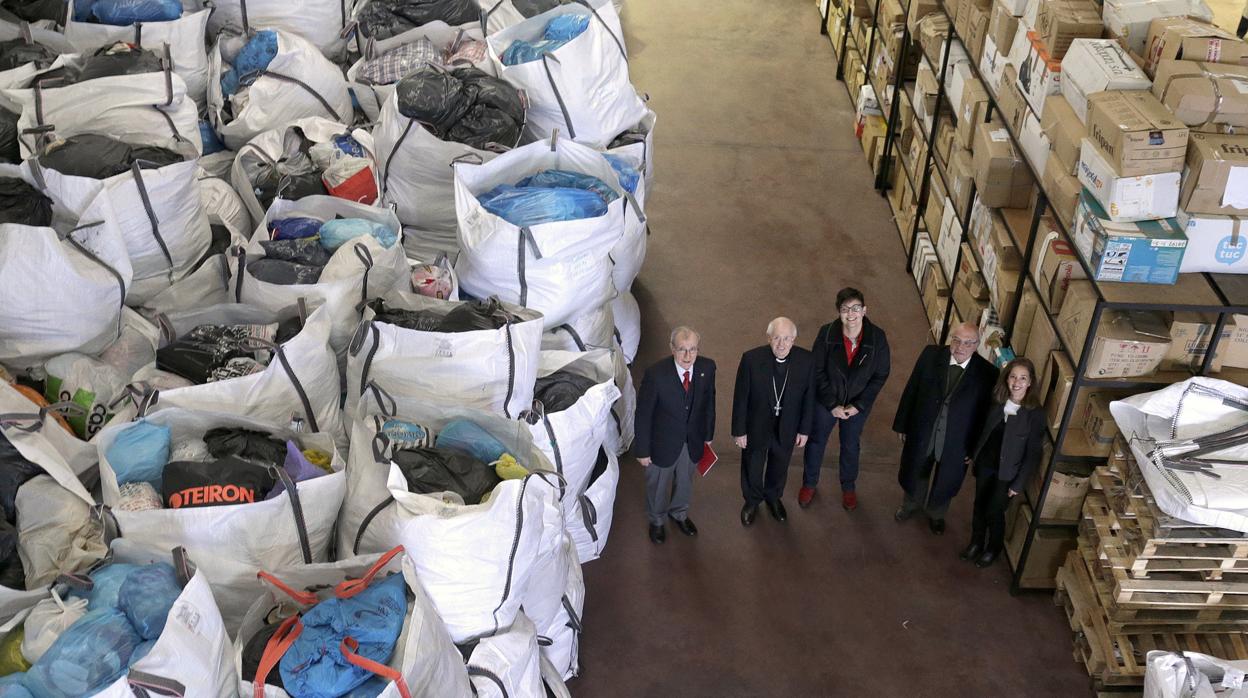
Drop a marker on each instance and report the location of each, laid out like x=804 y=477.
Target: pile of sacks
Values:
x=315 y=334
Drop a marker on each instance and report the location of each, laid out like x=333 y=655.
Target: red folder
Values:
x=708 y=460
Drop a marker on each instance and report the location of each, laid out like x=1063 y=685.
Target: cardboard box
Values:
x=1076 y=315
x=1128 y=344
x=964 y=299
x=971 y=111
x=1056 y=267
x=933 y=34
x=948 y=242
x=1048 y=549
x=1001 y=24
x=1062 y=189
x=1234 y=353
x=992 y=66
x=1189 y=341
x=1001 y=176
x=1010 y=98
x=1039 y=74
x=935 y=298
x=1129 y=20
x=1060 y=376
x=1098 y=426
x=969 y=275
x=1018 y=8
x=918 y=10
x=1136 y=133
x=1205 y=96
x=1148 y=252
x=1005 y=294
x=936 y=202
x=1182 y=38
x=972 y=26
x=961 y=178
x=1064 y=502
x=1217 y=244
x=1216 y=178
x=1127 y=199
x=944 y=141
x=1098 y=65
x=996 y=248
x=1065 y=131
x=1060 y=22
x=1034 y=143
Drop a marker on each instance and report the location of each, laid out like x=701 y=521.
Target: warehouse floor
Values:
x=764 y=207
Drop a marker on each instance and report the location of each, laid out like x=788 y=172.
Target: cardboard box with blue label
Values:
x=1149 y=252
x=1217 y=244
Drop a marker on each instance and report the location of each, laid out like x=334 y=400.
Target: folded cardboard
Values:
x=1097 y=65
x=1189 y=342
x=918 y=10
x=1139 y=198
x=1216 y=178
x=1060 y=22
x=1129 y=20
x=1205 y=96
x=1234 y=351
x=1056 y=267
x=1065 y=131
x=933 y=33
x=1182 y=38
x=1217 y=244
x=1001 y=24
x=1149 y=252
x=1137 y=133
x=1039 y=73
x=1062 y=188
x=1001 y=176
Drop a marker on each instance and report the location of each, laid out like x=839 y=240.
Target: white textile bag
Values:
x=562 y=268
x=582 y=88
x=564 y=338
x=490 y=370
x=184 y=37
x=298 y=82
x=204 y=287
x=320 y=22
x=474 y=560
x=226 y=207
x=627 y=316
x=559 y=637
x=629 y=252
x=507 y=663
x=1174 y=674
x=589 y=521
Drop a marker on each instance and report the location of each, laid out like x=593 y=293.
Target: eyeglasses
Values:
x=783 y=340
x=965 y=342
x=853 y=309
x=682 y=350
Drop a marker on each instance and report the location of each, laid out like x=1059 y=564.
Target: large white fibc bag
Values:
x=589 y=520
x=269 y=151
x=20 y=76
x=497 y=15
x=627 y=316
x=320 y=22
x=202 y=288
x=593 y=328
x=629 y=252
x=225 y=207
x=474 y=560
x=507 y=663
x=294 y=527
x=193 y=656
x=63 y=286
x=360 y=270
x=564 y=338
x=489 y=369
x=582 y=88
x=559 y=635
x=298 y=82
x=184 y=37
x=561 y=269
x=140 y=108
x=638 y=143
x=1176 y=674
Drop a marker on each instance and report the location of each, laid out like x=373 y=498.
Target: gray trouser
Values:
x=668 y=489
x=919 y=499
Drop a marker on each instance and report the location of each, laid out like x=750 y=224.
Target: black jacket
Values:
x=753 y=399
x=837 y=383
x=1022 y=445
x=668 y=417
x=918 y=410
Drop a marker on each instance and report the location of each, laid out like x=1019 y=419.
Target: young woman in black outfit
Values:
x=1005 y=455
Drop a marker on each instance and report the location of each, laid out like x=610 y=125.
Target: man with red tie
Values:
x=675 y=421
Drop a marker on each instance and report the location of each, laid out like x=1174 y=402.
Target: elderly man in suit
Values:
x=939 y=417
x=773 y=406
x=675 y=422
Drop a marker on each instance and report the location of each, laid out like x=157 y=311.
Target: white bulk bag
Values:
x=474 y=560
x=1174 y=674
x=581 y=88
x=21 y=75
x=564 y=338
x=507 y=663
x=425 y=656
x=301 y=381
x=193 y=657
x=552 y=681
x=594 y=328
x=141 y=108
x=268 y=149
x=358 y=271
x=285 y=530
x=184 y=37
x=559 y=637
x=641 y=151
x=627 y=316
x=629 y=252
x=225 y=207
x=202 y=288
x=371 y=97
x=498 y=15
x=63 y=288
x=589 y=521
x=319 y=22
x=561 y=269
x=298 y=82
x=489 y=370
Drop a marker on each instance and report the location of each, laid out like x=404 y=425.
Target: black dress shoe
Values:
x=989 y=557
x=686 y=526
x=902 y=514
x=777 y=510
x=972 y=551
x=748 y=512
x=658 y=534
x=937 y=526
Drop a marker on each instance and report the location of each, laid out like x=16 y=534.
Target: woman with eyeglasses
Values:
x=1005 y=455
x=851 y=365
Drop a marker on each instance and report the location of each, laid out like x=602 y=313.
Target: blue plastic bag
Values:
x=208 y=136
x=82 y=10
x=629 y=176
x=340 y=231
x=526 y=206
x=294 y=228
x=146 y=597
x=314 y=666
x=471 y=438
x=123 y=13
x=252 y=59
x=139 y=453
x=349 y=146
x=567 y=179
x=105 y=586
x=298 y=467
x=139 y=652
x=88 y=656
x=558 y=32
x=14 y=686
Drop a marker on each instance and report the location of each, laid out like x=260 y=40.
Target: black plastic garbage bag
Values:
x=561 y=389
x=18 y=52
x=249 y=445
x=118 y=59
x=10 y=149
x=383 y=19
x=35 y=10
x=15 y=470
x=24 y=204
x=469 y=317
x=12 y=574
x=431 y=470
x=289 y=186
x=253 y=652
x=230 y=480
x=533 y=8
x=276 y=271
x=100 y=157
x=307 y=251
x=195 y=355
x=465 y=105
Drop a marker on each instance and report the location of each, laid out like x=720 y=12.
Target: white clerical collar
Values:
x=962 y=365
x=778 y=359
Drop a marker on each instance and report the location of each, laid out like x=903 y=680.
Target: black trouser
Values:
x=988 y=522
x=920 y=498
x=764 y=471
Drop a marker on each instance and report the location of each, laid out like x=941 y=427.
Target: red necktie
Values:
x=685 y=382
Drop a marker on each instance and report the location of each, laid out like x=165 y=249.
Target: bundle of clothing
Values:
x=549 y=196
x=463 y=458
x=559 y=31
x=15 y=471
x=561 y=389
x=123 y=13
x=383 y=19
x=463 y=105
x=340 y=167
x=301 y=247
x=210 y=353
x=470 y=316
x=401 y=61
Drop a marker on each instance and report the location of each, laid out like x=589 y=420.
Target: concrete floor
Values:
x=763 y=207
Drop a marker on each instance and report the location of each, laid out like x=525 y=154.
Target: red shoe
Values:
x=849 y=500
x=804 y=496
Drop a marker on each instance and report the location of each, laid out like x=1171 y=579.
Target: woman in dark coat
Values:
x=1006 y=454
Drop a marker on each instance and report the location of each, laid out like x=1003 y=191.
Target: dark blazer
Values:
x=1022 y=445
x=753 y=400
x=836 y=382
x=919 y=407
x=668 y=417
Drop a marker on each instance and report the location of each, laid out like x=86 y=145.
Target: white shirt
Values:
x=954 y=362
x=1011 y=409
x=681 y=370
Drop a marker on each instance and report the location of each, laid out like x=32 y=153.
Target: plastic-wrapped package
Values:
x=48 y=620
x=465 y=105
x=252 y=59
x=298 y=467
x=126 y=12
x=382 y=19
x=294 y=228
x=529 y=206
x=433 y=281
x=248 y=444
x=106 y=585
x=88 y=656
x=88 y=382
x=438 y=469
x=138 y=496
x=397 y=63
x=100 y=157
x=146 y=596
x=338 y=232
x=471 y=438
x=351 y=178
x=559 y=31
x=140 y=452
x=15 y=470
